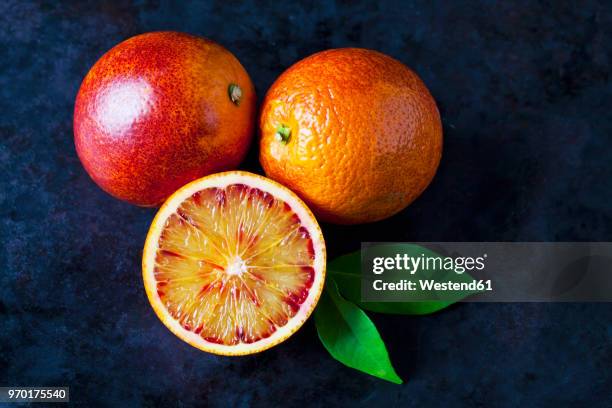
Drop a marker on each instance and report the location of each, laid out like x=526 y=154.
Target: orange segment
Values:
x=234 y=263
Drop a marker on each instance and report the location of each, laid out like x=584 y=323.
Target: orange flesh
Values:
x=234 y=264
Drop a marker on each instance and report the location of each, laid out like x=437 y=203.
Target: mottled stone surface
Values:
x=525 y=94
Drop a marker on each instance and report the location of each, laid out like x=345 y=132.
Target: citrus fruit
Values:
x=355 y=133
x=159 y=110
x=234 y=263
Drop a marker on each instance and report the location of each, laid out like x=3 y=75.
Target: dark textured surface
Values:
x=525 y=94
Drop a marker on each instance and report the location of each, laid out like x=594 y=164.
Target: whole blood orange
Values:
x=159 y=110
x=353 y=132
x=234 y=263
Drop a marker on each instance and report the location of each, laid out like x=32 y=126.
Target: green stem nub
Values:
x=235 y=93
x=283 y=133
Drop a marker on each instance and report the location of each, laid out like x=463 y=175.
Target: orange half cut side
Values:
x=234 y=263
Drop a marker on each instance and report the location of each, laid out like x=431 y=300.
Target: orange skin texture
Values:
x=154 y=113
x=366 y=135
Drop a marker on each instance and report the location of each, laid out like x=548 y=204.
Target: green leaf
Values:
x=346 y=271
x=350 y=336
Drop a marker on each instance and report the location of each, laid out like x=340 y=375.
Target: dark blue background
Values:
x=525 y=94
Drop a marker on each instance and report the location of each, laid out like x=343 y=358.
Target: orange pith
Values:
x=233 y=265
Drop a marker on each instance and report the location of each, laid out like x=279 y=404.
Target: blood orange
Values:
x=234 y=263
x=355 y=133
x=159 y=110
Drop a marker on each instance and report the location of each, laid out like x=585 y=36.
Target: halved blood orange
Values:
x=234 y=263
